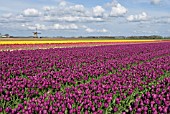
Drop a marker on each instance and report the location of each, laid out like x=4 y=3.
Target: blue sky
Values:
x=85 y=17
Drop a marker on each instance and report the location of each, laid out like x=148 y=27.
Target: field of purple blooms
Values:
x=131 y=78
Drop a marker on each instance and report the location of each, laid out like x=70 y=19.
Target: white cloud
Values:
x=78 y=8
x=63 y=3
x=48 y=18
x=70 y=13
x=90 y=30
x=155 y=1
x=48 y=8
x=33 y=27
x=40 y=27
x=65 y=27
x=98 y=11
x=72 y=19
x=103 y=30
x=30 y=12
x=7 y=15
x=50 y=27
x=118 y=10
x=20 y=18
x=162 y=20
x=91 y=19
x=140 y=17
x=69 y=18
x=149 y=32
x=13 y=18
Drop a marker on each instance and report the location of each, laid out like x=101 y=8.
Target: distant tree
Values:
x=7 y=35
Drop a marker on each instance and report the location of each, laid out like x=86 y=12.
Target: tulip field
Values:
x=107 y=79
x=46 y=43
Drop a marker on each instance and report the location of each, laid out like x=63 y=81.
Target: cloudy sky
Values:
x=85 y=17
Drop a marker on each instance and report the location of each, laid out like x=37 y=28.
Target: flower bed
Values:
x=102 y=79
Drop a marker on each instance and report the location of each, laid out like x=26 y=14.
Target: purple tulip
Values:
x=165 y=110
x=117 y=101
x=115 y=109
x=1 y=109
x=8 y=109
x=106 y=105
x=145 y=108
